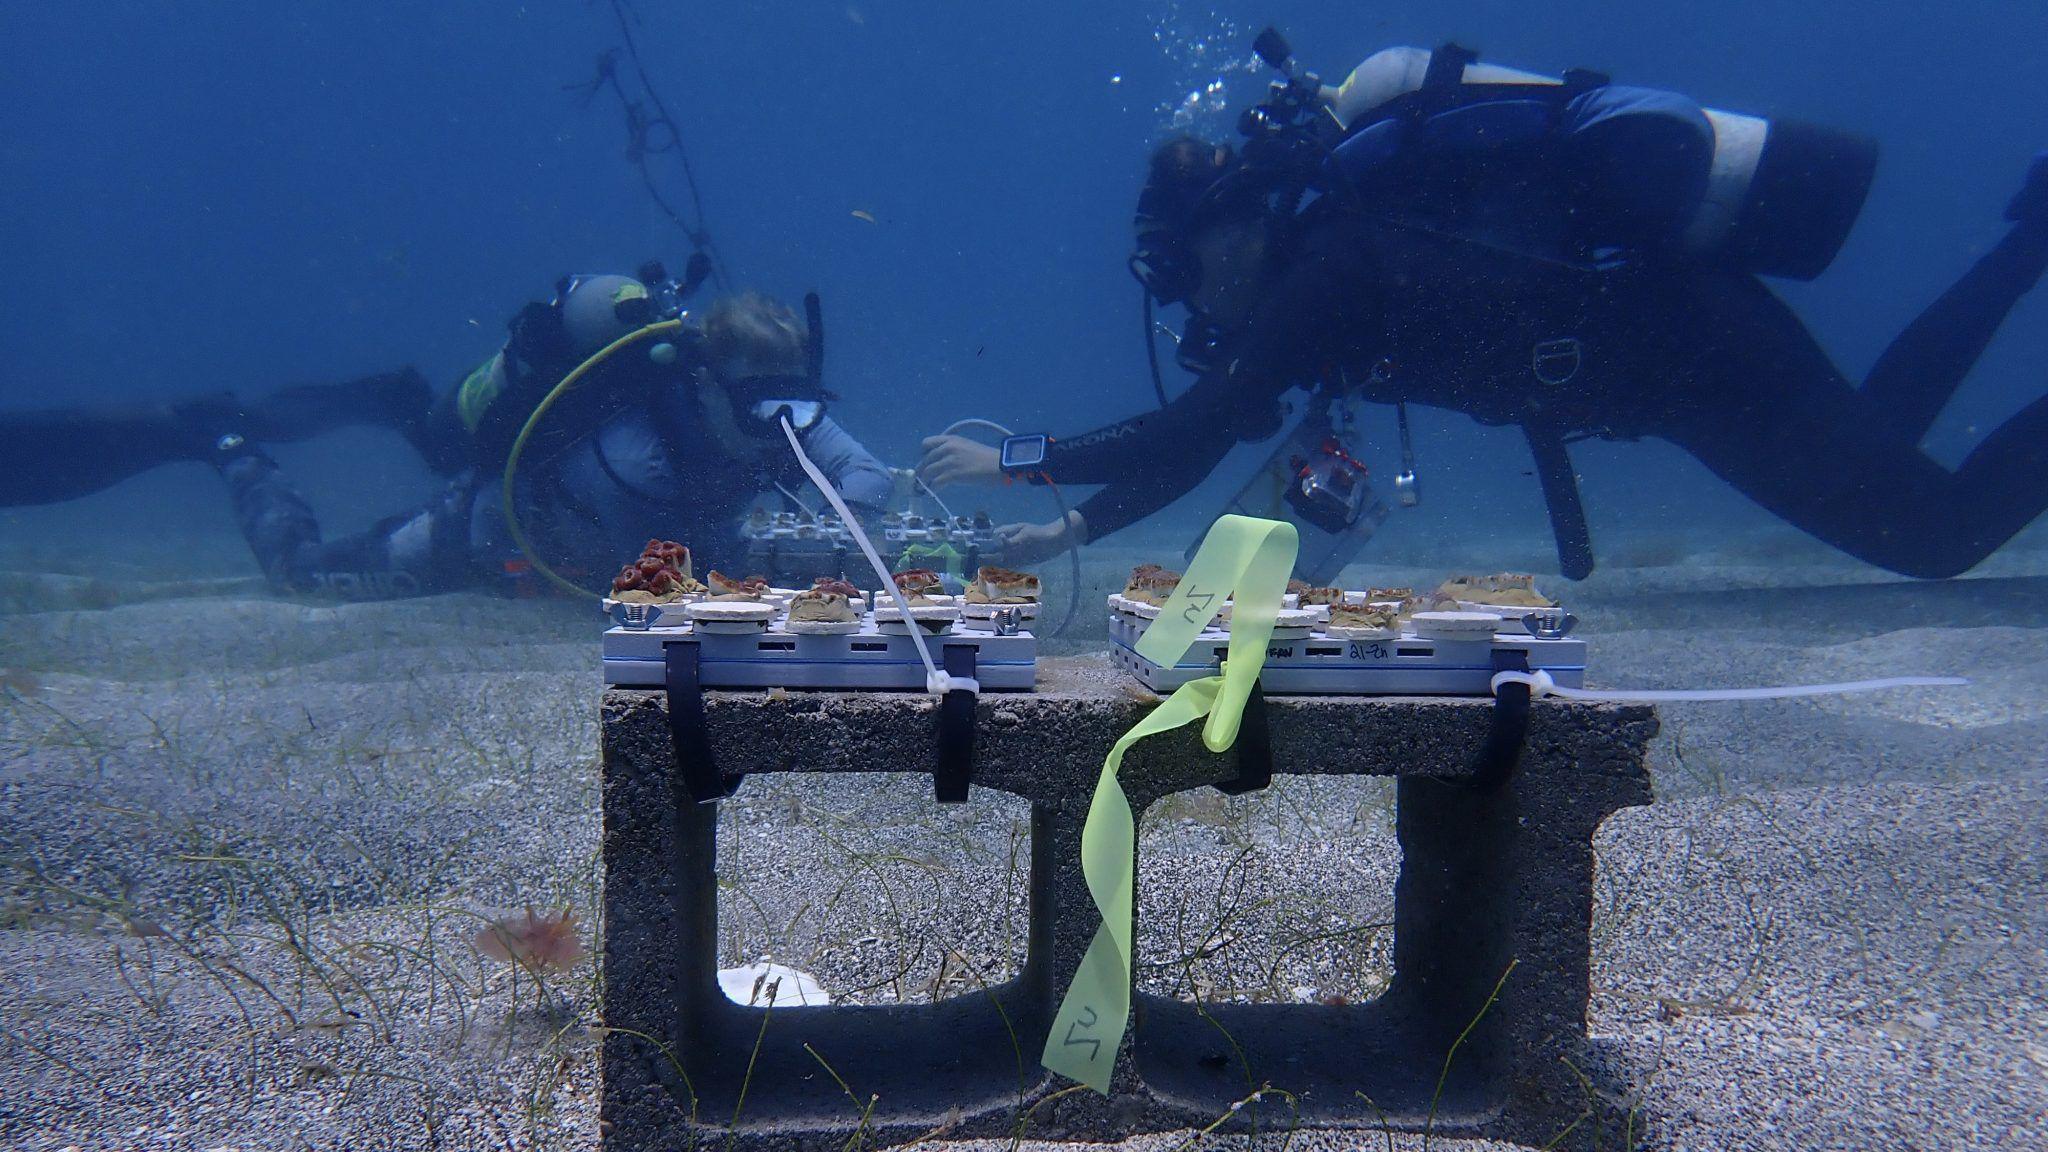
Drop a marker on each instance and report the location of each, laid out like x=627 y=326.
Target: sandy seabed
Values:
x=247 y=842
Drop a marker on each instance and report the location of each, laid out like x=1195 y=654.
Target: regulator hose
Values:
x=1152 y=346
x=511 y=508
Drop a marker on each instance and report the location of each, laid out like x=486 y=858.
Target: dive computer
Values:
x=1024 y=455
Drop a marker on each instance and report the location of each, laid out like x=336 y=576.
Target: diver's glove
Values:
x=2030 y=205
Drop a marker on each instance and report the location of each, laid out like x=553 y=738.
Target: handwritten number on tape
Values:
x=1087 y=1021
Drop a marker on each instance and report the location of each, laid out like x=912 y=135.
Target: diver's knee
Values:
x=1931 y=557
x=1939 y=568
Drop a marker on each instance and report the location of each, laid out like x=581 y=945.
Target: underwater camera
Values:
x=1331 y=489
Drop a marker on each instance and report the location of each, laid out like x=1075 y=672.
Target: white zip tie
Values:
x=943 y=682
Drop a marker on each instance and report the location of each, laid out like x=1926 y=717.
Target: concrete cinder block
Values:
x=1491 y=876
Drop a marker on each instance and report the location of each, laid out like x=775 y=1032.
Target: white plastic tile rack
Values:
x=1303 y=663
x=635 y=658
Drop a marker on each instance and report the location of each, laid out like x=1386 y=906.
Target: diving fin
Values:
x=2030 y=203
x=64 y=454
x=396 y=400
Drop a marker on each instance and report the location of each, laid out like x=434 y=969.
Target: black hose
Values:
x=1561 y=495
x=1152 y=346
x=1074 y=557
x=814 y=349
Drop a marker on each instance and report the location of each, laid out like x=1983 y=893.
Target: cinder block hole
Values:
x=873 y=887
x=1285 y=895
x=1265 y=955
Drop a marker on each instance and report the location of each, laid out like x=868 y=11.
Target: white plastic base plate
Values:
x=1320 y=666
x=777 y=659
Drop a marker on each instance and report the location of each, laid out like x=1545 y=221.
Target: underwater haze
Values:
x=241 y=195
x=249 y=829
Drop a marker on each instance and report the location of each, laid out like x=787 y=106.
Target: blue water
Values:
x=1816 y=939
x=244 y=194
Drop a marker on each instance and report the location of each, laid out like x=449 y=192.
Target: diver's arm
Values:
x=1163 y=481
x=1205 y=415
x=860 y=477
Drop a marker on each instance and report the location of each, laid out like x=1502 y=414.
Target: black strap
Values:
x=1447 y=67
x=697 y=774
x=1578 y=81
x=955 y=769
x=1254 y=748
x=604 y=465
x=1561 y=496
x=1510 y=728
x=1443 y=88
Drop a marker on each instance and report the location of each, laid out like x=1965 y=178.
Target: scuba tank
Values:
x=1771 y=197
x=487 y=411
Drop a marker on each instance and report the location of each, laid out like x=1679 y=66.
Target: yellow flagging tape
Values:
x=1242 y=559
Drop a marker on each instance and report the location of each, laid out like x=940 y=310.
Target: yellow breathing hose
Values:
x=526 y=433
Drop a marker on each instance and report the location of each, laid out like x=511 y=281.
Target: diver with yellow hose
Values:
x=610 y=414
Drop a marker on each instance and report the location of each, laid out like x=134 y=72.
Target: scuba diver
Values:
x=1575 y=257
x=610 y=414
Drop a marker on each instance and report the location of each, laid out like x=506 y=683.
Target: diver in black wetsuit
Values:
x=1579 y=259
x=674 y=435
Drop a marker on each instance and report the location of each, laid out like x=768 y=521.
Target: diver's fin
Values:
x=2031 y=201
x=64 y=454
x=397 y=400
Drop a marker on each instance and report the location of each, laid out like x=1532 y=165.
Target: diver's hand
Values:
x=1025 y=544
x=958 y=460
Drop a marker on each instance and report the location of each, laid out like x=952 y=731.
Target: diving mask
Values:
x=766 y=399
x=765 y=418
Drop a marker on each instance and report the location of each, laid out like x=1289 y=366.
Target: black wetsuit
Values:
x=1710 y=360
